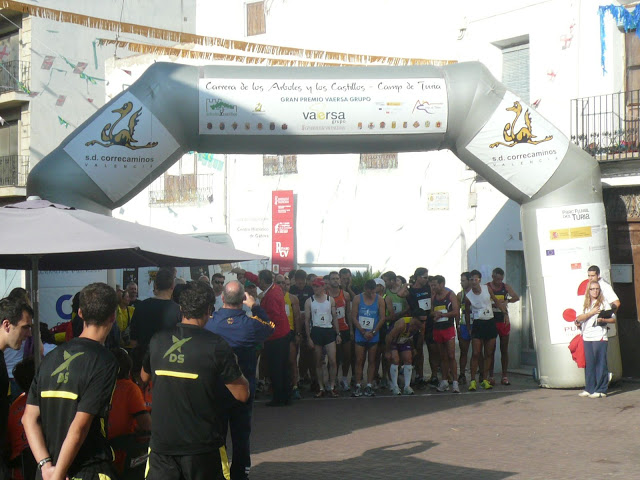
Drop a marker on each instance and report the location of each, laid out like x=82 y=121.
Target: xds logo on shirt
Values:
x=177 y=346
x=63 y=377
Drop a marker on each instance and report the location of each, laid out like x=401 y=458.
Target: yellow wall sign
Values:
x=570 y=233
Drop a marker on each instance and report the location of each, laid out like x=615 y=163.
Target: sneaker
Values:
x=395 y=390
x=462 y=379
x=357 y=392
x=420 y=383
x=505 y=381
x=584 y=393
x=407 y=391
x=443 y=387
x=433 y=382
x=384 y=384
x=368 y=391
x=456 y=388
x=345 y=386
x=597 y=395
x=486 y=385
x=473 y=386
x=492 y=381
x=296 y=394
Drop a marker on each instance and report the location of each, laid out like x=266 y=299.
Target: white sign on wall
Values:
x=322 y=107
x=571 y=240
x=520 y=145
x=121 y=147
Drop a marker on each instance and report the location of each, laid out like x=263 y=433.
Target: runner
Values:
x=505 y=295
x=343 y=311
x=320 y=313
x=464 y=330
x=399 y=346
x=484 y=332
x=306 y=360
x=367 y=317
x=445 y=309
x=292 y=307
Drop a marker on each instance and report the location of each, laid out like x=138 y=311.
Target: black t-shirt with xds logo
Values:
x=78 y=376
x=186 y=363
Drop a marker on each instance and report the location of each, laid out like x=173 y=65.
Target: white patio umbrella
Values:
x=40 y=235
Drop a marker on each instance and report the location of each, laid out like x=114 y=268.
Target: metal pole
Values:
x=36 y=316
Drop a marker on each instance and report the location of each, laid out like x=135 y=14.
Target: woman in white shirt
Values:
x=593 y=322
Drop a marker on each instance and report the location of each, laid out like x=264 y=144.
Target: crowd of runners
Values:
x=335 y=330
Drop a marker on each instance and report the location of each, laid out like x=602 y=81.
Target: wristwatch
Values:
x=43 y=462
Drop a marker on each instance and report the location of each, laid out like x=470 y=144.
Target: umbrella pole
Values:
x=36 y=315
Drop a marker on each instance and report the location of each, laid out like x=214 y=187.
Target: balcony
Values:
x=14 y=170
x=186 y=189
x=15 y=76
x=607 y=126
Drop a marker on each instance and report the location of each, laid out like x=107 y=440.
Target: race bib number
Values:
x=324 y=319
x=287 y=309
x=397 y=307
x=441 y=309
x=340 y=312
x=366 y=323
x=481 y=314
x=424 y=303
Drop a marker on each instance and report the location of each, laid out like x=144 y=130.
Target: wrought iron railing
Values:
x=607 y=126
x=181 y=189
x=15 y=76
x=14 y=170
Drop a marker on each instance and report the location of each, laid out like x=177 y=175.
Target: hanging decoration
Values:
x=628 y=19
x=80 y=67
x=565 y=40
x=61 y=100
x=24 y=88
x=552 y=75
x=209 y=160
x=63 y=122
x=47 y=63
x=536 y=104
x=128 y=72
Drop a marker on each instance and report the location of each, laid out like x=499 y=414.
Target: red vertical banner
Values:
x=282 y=232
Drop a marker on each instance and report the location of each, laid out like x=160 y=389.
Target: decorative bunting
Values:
x=4 y=53
x=61 y=100
x=552 y=75
x=63 y=122
x=80 y=67
x=90 y=100
x=565 y=40
x=128 y=72
x=47 y=63
x=622 y=16
x=536 y=104
x=24 y=88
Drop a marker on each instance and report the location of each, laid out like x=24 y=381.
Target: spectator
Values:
x=21 y=458
x=132 y=289
x=123 y=317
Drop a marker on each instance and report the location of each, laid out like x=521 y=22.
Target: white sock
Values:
x=407 y=375
x=393 y=372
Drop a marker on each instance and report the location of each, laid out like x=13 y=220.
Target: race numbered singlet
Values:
x=289 y=309
x=480 y=304
x=368 y=315
x=399 y=303
x=341 y=311
x=444 y=306
x=420 y=300
x=463 y=308
x=321 y=313
x=501 y=295
x=405 y=336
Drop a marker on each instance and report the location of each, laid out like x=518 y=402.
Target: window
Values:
x=378 y=160
x=279 y=164
x=256 y=19
x=515 y=70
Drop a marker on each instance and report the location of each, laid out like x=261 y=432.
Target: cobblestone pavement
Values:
x=519 y=431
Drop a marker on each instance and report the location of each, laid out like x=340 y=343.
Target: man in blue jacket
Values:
x=243 y=333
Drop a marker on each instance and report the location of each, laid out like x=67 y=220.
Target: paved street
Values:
x=515 y=432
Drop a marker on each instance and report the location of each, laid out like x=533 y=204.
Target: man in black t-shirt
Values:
x=69 y=399
x=185 y=364
x=15 y=317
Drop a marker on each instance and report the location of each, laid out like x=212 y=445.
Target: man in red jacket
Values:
x=276 y=348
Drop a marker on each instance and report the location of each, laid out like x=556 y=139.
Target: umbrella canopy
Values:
x=64 y=238
x=40 y=235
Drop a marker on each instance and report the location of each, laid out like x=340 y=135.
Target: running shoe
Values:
x=462 y=379
x=296 y=394
x=384 y=384
x=368 y=391
x=357 y=392
x=473 y=386
x=333 y=393
x=492 y=381
x=433 y=382
x=407 y=391
x=345 y=386
x=443 y=387
x=597 y=395
x=486 y=385
x=584 y=394
x=505 y=381
x=456 y=388
x=395 y=390
x=420 y=383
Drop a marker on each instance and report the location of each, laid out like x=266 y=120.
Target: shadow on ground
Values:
x=379 y=463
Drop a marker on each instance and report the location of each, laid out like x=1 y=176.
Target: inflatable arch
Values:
x=175 y=108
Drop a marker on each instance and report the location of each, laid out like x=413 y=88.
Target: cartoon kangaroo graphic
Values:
x=125 y=136
x=524 y=135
